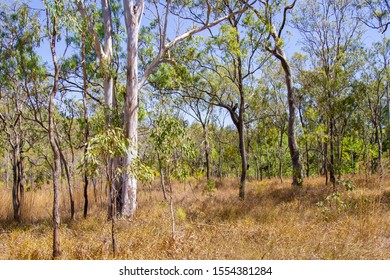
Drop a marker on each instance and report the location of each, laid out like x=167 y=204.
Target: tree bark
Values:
x=244 y=163
x=332 y=176
x=162 y=175
x=6 y=157
x=306 y=144
x=16 y=182
x=281 y=155
x=207 y=152
x=65 y=166
x=56 y=154
x=292 y=142
x=86 y=128
x=133 y=16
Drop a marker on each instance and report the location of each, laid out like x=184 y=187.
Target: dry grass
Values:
x=271 y=223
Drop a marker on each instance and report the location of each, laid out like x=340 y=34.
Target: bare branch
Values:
x=289 y=7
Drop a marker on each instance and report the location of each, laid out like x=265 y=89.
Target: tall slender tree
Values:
x=266 y=15
x=134 y=11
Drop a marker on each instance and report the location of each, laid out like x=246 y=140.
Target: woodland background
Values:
x=194 y=129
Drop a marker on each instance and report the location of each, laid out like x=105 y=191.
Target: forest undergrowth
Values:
x=271 y=223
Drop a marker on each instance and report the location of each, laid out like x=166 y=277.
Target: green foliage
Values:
x=210 y=186
x=347 y=184
x=141 y=171
x=331 y=205
x=228 y=39
x=170 y=140
x=181 y=215
x=107 y=144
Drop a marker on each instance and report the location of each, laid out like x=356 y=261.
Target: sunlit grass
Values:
x=271 y=223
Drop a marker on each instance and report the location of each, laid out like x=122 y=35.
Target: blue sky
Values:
x=292 y=45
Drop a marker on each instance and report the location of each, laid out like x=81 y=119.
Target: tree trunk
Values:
x=56 y=154
x=86 y=127
x=162 y=177
x=171 y=207
x=17 y=167
x=65 y=165
x=241 y=126
x=15 y=184
x=331 y=147
x=207 y=152
x=292 y=142
x=325 y=161
x=307 y=160
x=220 y=160
x=281 y=156
x=6 y=158
x=380 y=156
x=244 y=163
x=306 y=144
x=56 y=170
x=261 y=161
x=133 y=16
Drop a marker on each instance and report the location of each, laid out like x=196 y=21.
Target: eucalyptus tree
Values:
x=86 y=119
x=373 y=93
x=266 y=14
x=19 y=69
x=66 y=126
x=80 y=76
x=104 y=49
x=330 y=33
x=277 y=112
x=57 y=19
x=223 y=75
x=101 y=148
x=170 y=140
x=202 y=113
x=201 y=16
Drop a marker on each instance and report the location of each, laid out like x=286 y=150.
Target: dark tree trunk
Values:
x=332 y=161
x=325 y=163
x=207 y=152
x=15 y=184
x=239 y=121
x=16 y=144
x=86 y=128
x=244 y=163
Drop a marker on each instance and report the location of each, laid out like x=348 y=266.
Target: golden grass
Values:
x=271 y=223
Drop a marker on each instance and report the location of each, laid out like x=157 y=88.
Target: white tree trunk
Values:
x=133 y=16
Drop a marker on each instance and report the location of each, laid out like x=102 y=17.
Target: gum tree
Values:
x=266 y=14
x=201 y=17
x=19 y=70
x=223 y=75
x=330 y=34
